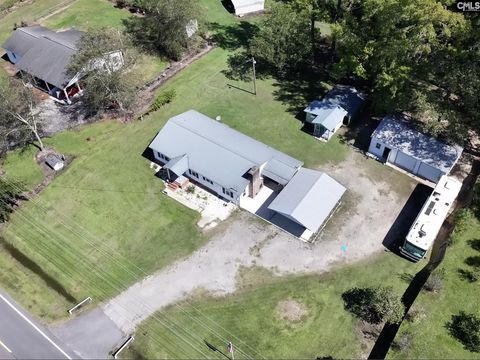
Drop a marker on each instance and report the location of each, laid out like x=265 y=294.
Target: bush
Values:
x=404 y=342
x=161 y=100
x=466 y=329
x=415 y=314
x=190 y=189
x=374 y=305
x=434 y=282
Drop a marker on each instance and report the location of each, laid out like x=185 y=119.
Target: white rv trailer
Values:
x=430 y=219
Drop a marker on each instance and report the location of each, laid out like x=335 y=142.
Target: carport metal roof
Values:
x=309 y=198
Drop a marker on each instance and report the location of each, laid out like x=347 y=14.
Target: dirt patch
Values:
x=291 y=310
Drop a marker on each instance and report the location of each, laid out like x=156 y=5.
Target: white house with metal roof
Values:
x=397 y=142
x=235 y=167
x=45 y=55
x=337 y=107
x=244 y=7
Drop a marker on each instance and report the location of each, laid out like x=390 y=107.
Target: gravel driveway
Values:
x=375 y=196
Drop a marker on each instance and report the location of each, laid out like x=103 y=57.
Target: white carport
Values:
x=243 y=7
x=308 y=199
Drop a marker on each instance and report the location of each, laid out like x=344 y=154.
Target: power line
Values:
x=135 y=276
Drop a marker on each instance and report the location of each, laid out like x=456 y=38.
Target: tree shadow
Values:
x=359 y=131
x=473 y=261
x=467 y=275
x=35 y=268
x=234 y=36
x=474 y=244
x=399 y=229
x=228 y=5
x=296 y=91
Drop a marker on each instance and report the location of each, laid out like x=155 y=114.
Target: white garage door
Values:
x=429 y=172
x=405 y=162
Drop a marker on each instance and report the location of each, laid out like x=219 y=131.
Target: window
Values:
x=193 y=173
x=378 y=145
x=207 y=180
x=227 y=192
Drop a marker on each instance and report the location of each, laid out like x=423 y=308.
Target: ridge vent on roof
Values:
x=216 y=143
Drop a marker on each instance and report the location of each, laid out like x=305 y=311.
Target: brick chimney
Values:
x=256 y=181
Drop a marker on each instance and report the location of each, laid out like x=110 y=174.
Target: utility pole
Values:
x=254 y=76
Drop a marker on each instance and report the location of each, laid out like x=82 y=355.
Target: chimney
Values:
x=256 y=181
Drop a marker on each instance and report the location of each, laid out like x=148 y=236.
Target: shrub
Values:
x=374 y=304
x=161 y=100
x=466 y=329
x=434 y=282
x=190 y=189
x=415 y=314
x=404 y=342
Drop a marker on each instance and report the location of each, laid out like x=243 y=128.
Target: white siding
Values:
x=246 y=9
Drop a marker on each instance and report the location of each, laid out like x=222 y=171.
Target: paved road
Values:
x=22 y=338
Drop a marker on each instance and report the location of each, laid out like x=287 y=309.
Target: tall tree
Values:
x=392 y=42
x=19 y=122
x=281 y=41
x=10 y=192
x=168 y=26
x=109 y=82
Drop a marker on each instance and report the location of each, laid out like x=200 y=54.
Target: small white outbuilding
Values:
x=244 y=7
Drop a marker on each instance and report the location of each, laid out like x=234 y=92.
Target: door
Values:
x=405 y=161
x=386 y=153
x=429 y=172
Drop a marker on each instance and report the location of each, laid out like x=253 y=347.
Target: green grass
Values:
x=105 y=208
x=23 y=283
x=431 y=339
x=95 y=14
x=204 y=87
x=27 y=13
x=111 y=191
x=252 y=315
x=88 y=14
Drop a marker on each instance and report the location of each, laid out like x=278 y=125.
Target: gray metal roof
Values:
x=397 y=133
x=44 y=53
x=217 y=151
x=329 y=118
x=346 y=97
x=178 y=165
x=309 y=198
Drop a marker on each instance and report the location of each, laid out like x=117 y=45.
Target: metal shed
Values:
x=398 y=142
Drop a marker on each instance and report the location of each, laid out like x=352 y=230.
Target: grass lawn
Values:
x=252 y=316
x=431 y=339
x=88 y=14
x=204 y=87
x=106 y=207
x=96 y=14
x=24 y=283
x=27 y=13
x=110 y=190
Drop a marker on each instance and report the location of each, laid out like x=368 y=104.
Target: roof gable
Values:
x=397 y=133
x=309 y=198
x=217 y=151
x=345 y=97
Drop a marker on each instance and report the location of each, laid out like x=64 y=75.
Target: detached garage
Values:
x=397 y=142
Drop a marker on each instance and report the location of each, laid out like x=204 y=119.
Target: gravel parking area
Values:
x=376 y=195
